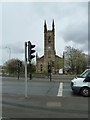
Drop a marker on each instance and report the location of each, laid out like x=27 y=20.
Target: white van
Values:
x=81 y=84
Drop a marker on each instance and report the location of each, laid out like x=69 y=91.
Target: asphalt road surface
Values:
x=37 y=86
x=45 y=99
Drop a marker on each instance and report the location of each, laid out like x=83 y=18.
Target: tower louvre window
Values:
x=49 y=41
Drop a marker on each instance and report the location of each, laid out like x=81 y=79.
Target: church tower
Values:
x=49 y=46
x=49 y=57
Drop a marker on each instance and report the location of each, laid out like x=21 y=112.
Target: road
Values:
x=45 y=99
x=40 y=86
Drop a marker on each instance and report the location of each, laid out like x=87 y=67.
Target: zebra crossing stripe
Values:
x=60 y=90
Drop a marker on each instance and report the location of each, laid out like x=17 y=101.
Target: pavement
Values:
x=16 y=106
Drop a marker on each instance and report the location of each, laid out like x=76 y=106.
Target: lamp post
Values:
x=9 y=51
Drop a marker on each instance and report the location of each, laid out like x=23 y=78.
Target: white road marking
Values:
x=60 y=90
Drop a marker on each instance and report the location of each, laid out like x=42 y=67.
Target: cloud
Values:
x=25 y=21
x=77 y=33
x=15 y=47
x=74 y=27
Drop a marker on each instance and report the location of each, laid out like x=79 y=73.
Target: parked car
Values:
x=81 y=84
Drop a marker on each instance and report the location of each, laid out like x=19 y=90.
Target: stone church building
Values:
x=49 y=57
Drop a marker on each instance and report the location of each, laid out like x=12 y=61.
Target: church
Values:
x=49 y=57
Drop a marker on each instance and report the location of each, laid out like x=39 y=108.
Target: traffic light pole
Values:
x=50 y=77
x=30 y=70
x=19 y=64
x=49 y=72
x=18 y=70
x=26 y=69
x=30 y=57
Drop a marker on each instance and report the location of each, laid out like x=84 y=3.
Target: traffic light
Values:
x=49 y=68
x=30 y=51
x=49 y=71
x=20 y=63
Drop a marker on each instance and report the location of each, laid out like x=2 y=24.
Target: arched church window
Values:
x=52 y=63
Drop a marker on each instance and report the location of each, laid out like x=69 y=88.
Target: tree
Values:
x=12 y=66
x=74 y=60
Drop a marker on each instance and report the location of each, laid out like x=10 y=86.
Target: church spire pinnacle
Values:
x=53 y=25
x=45 y=26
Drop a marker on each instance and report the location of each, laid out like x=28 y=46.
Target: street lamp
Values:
x=9 y=52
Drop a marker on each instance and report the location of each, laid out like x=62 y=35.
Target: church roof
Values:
x=40 y=57
x=58 y=56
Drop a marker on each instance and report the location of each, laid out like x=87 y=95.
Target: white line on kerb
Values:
x=60 y=90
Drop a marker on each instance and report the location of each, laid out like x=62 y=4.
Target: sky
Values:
x=24 y=21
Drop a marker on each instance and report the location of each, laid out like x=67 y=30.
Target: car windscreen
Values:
x=85 y=74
